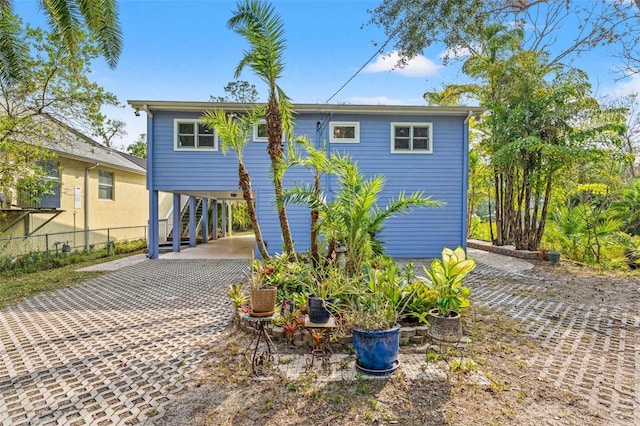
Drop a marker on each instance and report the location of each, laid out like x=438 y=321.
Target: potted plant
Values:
x=379 y=302
x=445 y=278
x=262 y=292
x=325 y=286
x=238 y=299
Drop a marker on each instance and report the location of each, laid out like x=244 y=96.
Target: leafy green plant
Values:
x=445 y=278
x=380 y=297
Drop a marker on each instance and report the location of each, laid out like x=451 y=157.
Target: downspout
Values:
x=465 y=180
x=87 y=193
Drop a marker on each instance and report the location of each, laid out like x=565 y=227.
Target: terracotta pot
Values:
x=445 y=328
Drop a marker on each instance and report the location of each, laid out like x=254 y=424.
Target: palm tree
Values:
x=66 y=18
x=234 y=132
x=353 y=217
x=258 y=22
x=319 y=164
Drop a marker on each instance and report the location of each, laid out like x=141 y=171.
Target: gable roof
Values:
x=70 y=143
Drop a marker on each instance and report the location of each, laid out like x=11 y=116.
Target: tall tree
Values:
x=235 y=132
x=68 y=21
x=238 y=91
x=109 y=130
x=415 y=24
x=541 y=119
x=263 y=29
x=55 y=86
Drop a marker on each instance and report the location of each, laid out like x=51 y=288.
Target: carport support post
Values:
x=214 y=219
x=192 y=221
x=224 y=219
x=177 y=234
x=205 y=220
x=230 y=220
x=154 y=230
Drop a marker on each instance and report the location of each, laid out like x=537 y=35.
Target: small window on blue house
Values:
x=194 y=135
x=411 y=138
x=344 y=132
x=105 y=185
x=260 y=131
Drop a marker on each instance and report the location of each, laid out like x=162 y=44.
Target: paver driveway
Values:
x=588 y=349
x=112 y=350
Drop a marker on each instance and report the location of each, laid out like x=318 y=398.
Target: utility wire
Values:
x=361 y=68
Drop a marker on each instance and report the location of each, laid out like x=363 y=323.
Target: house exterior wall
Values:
x=421 y=233
x=129 y=207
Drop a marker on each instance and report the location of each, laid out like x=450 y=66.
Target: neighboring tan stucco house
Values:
x=416 y=148
x=97 y=188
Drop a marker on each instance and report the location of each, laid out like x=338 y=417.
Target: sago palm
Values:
x=234 y=132
x=263 y=28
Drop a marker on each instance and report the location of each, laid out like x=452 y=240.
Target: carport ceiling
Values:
x=217 y=195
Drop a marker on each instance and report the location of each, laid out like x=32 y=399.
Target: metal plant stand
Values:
x=268 y=353
x=320 y=335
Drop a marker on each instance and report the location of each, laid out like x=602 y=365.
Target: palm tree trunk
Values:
x=274 y=131
x=245 y=184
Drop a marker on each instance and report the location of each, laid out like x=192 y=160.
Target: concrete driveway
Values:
x=115 y=349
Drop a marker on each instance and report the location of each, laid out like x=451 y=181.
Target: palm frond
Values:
x=12 y=49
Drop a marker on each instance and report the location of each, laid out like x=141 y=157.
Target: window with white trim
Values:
x=190 y=135
x=344 y=132
x=260 y=131
x=411 y=138
x=105 y=185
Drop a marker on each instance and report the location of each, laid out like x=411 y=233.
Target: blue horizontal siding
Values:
x=421 y=233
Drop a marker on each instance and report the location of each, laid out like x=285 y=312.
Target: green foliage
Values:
x=353 y=217
x=237 y=295
x=55 y=90
x=381 y=296
x=445 y=278
x=237 y=91
x=139 y=147
x=68 y=21
x=626 y=208
x=40 y=261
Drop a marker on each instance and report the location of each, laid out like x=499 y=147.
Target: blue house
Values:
x=415 y=147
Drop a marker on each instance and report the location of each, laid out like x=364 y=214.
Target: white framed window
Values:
x=193 y=135
x=344 y=132
x=105 y=185
x=411 y=138
x=260 y=131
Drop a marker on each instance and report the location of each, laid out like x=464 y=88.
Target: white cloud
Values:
x=456 y=52
x=417 y=67
x=627 y=86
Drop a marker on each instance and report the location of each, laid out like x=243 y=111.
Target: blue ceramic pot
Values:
x=377 y=349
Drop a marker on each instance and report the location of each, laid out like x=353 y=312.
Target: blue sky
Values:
x=182 y=50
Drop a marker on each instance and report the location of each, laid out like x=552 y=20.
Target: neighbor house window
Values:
x=344 y=132
x=260 y=132
x=194 y=135
x=105 y=185
x=411 y=138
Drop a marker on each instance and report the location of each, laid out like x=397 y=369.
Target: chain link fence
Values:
x=64 y=242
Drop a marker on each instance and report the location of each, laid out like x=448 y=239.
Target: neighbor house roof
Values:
x=310 y=108
x=73 y=144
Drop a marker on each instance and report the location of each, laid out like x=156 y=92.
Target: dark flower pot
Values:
x=318 y=312
x=554 y=257
x=377 y=350
x=445 y=328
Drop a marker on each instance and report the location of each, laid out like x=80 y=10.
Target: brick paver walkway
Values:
x=589 y=351
x=115 y=349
